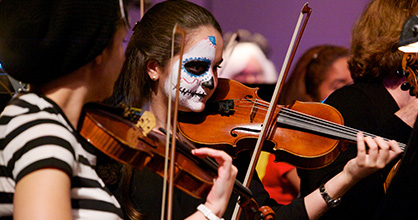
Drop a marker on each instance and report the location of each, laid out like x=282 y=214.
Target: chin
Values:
x=193 y=107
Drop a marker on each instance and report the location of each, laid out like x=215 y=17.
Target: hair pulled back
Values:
x=151 y=40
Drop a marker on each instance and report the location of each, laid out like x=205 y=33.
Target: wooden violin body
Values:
x=121 y=140
x=306 y=135
x=127 y=143
x=239 y=123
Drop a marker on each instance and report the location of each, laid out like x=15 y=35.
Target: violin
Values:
x=409 y=67
x=306 y=135
x=139 y=146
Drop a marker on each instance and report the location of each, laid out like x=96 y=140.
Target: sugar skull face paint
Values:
x=197 y=81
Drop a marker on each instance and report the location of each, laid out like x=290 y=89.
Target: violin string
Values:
x=321 y=123
x=313 y=119
x=308 y=119
x=350 y=133
x=336 y=127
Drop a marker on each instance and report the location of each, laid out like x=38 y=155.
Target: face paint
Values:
x=197 y=79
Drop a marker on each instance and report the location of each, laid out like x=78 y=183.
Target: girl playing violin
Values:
x=70 y=52
x=144 y=82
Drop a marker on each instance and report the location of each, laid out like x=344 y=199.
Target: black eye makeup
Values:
x=197 y=67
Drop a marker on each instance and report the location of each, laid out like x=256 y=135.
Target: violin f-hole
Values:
x=233 y=134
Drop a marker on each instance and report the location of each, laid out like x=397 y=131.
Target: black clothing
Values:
x=400 y=201
x=147 y=190
x=368 y=107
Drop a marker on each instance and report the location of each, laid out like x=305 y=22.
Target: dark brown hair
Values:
x=375 y=37
x=318 y=67
x=41 y=41
x=151 y=40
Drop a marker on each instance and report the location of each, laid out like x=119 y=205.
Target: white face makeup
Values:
x=197 y=81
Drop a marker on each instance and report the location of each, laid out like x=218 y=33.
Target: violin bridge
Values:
x=146 y=122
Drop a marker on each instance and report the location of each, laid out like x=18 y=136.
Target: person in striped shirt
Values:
x=71 y=53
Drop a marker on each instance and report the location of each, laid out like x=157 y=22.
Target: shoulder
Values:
x=30 y=117
x=35 y=134
x=358 y=96
x=354 y=92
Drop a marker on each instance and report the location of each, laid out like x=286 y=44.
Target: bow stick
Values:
x=182 y=32
x=268 y=119
x=142 y=7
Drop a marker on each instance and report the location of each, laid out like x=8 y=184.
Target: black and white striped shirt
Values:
x=35 y=134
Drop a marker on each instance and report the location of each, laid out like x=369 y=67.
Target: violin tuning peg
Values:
x=401 y=73
x=405 y=86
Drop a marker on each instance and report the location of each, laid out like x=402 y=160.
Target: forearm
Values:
x=335 y=187
x=378 y=155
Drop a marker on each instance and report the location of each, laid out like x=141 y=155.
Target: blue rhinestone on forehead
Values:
x=212 y=40
x=205 y=76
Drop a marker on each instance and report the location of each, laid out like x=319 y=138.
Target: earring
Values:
x=154 y=78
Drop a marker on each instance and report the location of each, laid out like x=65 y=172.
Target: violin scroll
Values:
x=410 y=68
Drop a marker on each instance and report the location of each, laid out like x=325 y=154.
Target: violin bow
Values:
x=294 y=43
x=182 y=32
x=142 y=7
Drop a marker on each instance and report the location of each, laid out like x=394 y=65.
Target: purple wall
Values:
x=330 y=22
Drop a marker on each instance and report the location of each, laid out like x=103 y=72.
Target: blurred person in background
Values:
x=320 y=70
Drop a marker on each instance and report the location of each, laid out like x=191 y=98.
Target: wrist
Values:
x=347 y=176
x=331 y=202
x=207 y=212
x=339 y=184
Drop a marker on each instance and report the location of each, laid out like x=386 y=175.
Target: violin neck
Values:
x=303 y=122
